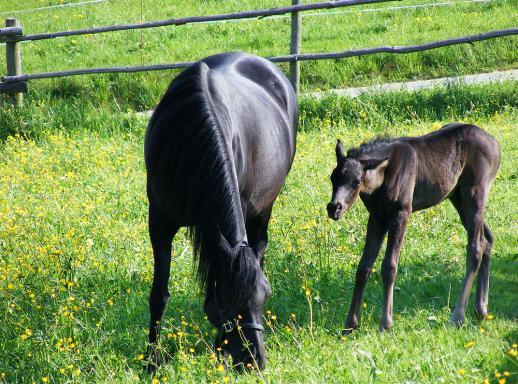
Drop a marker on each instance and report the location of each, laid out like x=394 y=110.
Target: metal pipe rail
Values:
x=287 y=58
x=200 y=19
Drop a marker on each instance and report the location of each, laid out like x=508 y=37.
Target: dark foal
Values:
x=395 y=177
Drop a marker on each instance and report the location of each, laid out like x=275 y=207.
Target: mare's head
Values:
x=234 y=304
x=350 y=177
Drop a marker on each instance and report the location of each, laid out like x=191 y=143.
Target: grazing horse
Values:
x=395 y=177
x=218 y=149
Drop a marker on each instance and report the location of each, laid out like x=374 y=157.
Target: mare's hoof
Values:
x=154 y=359
x=385 y=325
x=346 y=332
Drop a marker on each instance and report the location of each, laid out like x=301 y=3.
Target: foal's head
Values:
x=235 y=306
x=352 y=176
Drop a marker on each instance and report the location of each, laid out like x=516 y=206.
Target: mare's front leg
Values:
x=161 y=233
x=376 y=230
x=397 y=230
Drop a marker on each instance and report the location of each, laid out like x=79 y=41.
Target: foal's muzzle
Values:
x=335 y=210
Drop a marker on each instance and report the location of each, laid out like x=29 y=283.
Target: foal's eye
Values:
x=357 y=181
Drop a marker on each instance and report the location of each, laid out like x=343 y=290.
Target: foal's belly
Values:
x=428 y=194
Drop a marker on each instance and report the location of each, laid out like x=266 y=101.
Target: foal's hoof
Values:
x=481 y=313
x=457 y=319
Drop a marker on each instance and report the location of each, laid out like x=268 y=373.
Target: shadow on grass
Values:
x=420 y=286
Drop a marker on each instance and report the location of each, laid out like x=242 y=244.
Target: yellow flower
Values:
x=501 y=381
x=155 y=381
x=226 y=379
x=140 y=357
x=62 y=370
x=497 y=375
x=461 y=371
x=274 y=317
x=469 y=344
x=506 y=373
x=220 y=368
x=109 y=302
x=512 y=352
x=490 y=316
x=486 y=381
x=191 y=350
x=45 y=379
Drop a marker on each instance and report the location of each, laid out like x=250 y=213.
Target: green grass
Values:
x=76 y=266
x=265 y=37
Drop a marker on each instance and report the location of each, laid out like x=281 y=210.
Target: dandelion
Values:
x=226 y=379
x=109 y=302
x=482 y=331
x=486 y=381
x=45 y=379
x=469 y=344
x=512 y=352
x=461 y=371
x=191 y=350
x=274 y=317
x=502 y=380
x=155 y=381
x=140 y=357
x=62 y=370
x=490 y=317
x=220 y=368
x=506 y=373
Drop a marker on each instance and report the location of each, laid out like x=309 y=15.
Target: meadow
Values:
x=75 y=258
x=76 y=269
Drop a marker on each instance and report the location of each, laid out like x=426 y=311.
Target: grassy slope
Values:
x=75 y=271
x=265 y=37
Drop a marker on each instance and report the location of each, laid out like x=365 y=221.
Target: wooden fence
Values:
x=15 y=83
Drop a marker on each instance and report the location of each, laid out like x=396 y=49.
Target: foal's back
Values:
x=457 y=154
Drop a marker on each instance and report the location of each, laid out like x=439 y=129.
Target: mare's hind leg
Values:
x=481 y=299
x=257 y=232
x=161 y=233
x=470 y=203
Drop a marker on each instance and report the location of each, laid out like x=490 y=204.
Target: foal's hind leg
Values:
x=481 y=299
x=470 y=203
x=161 y=233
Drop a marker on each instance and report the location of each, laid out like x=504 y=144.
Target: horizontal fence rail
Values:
x=201 y=19
x=277 y=59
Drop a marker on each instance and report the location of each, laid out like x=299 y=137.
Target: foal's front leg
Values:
x=376 y=230
x=396 y=234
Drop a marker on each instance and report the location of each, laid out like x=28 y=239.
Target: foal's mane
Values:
x=377 y=144
x=196 y=150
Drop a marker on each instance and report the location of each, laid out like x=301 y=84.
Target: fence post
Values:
x=296 y=23
x=14 y=60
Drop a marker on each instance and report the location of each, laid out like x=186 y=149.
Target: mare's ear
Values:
x=224 y=244
x=374 y=173
x=340 y=155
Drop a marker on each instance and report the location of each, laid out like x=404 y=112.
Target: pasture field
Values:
x=356 y=29
x=76 y=263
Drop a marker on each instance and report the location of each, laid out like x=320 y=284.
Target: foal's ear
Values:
x=369 y=164
x=340 y=155
x=374 y=173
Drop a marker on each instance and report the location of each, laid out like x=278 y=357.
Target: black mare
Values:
x=217 y=149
